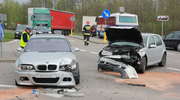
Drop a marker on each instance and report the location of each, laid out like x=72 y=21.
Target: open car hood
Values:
x=124 y=35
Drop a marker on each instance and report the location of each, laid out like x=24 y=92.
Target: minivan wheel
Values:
x=163 y=60
x=178 y=47
x=142 y=67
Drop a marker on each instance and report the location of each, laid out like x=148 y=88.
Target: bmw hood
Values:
x=124 y=35
x=45 y=58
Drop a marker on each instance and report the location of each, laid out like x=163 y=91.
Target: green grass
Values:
x=8 y=35
x=79 y=34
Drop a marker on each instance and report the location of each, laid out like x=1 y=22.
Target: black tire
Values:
x=17 y=83
x=100 y=69
x=178 y=47
x=142 y=67
x=163 y=60
x=77 y=80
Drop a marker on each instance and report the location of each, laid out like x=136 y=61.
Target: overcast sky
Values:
x=20 y=1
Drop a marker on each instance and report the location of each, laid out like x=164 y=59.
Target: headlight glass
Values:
x=73 y=64
x=106 y=53
x=68 y=67
x=25 y=67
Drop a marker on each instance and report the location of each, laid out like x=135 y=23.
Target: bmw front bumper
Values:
x=60 y=78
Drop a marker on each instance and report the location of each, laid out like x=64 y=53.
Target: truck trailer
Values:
x=62 y=21
x=53 y=19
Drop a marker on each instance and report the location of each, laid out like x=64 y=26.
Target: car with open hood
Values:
x=47 y=60
x=130 y=47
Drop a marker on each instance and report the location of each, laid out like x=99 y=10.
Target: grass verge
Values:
x=8 y=35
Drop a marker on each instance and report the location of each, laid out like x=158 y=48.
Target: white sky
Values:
x=20 y=1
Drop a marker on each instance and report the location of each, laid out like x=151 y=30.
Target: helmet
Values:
x=28 y=28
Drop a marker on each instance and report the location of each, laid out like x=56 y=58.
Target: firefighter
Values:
x=25 y=37
x=87 y=33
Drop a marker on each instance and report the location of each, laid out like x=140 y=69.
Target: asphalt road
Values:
x=162 y=83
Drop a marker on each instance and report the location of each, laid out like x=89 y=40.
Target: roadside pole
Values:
x=162 y=28
x=105 y=36
x=105 y=14
x=1 y=48
x=72 y=24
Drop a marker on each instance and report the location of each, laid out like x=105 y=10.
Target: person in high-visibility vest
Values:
x=87 y=33
x=25 y=37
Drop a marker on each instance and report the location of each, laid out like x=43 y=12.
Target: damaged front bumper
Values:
x=126 y=71
x=59 y=78
x=107 y=63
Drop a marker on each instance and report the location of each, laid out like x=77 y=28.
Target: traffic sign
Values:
x=162 y=18
x=106 y=13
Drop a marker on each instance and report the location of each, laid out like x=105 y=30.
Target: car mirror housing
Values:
x=19 y=51
x=152 y=46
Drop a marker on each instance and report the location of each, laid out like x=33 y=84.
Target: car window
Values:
x=145 y=39
x=151 y=41
x=157 y=40
x=170 y=36
x=48 y=45
x=177 y=35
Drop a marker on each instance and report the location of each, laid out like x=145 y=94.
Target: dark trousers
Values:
x=86 y=40
x=86 y=37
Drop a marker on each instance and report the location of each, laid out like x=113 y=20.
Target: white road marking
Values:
x=8 y=86
x=83 y=50
x=71 y=40
x=94 y=53
x=175 y=69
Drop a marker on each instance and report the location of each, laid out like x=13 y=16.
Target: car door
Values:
x=159 y=50
x=169 y=40
x=151 y=51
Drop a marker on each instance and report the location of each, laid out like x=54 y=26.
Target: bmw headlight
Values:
x=25 y=67
x=68 y=67
x=73 y=65
x=49 y=32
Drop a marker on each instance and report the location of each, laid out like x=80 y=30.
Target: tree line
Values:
x=147 y=10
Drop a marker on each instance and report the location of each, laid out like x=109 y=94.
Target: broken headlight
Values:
x=25 y=67
x=106 y=53
x=68 y=67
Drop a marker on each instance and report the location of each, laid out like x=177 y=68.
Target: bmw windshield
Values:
x=48 y=45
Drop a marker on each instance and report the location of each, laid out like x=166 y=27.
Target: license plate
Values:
x=45 y=76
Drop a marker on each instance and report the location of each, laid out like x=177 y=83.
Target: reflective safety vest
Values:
x=22 y=43
x=87 y=30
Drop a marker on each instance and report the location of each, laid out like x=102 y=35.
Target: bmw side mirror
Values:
x=19 y=51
